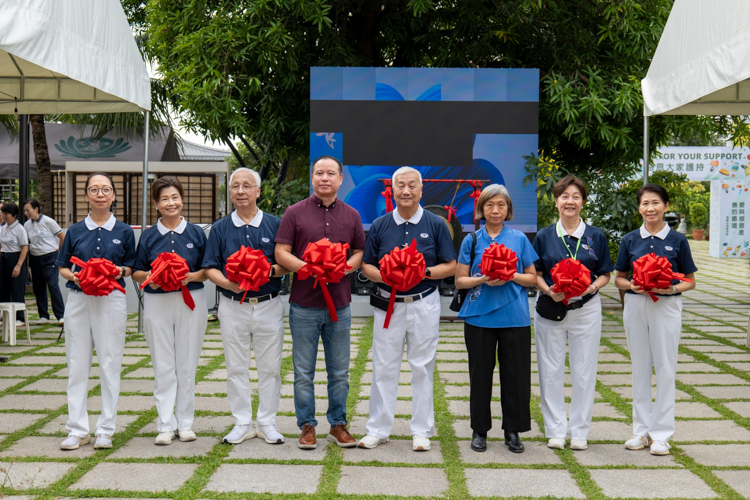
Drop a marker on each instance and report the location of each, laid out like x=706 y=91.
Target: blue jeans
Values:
x=308 y=325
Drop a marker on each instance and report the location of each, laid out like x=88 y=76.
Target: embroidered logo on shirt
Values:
x=265 y=240
x=116 y=241
x=424 y=235
x=668 y=248
x=585 y=247
x=190 y=245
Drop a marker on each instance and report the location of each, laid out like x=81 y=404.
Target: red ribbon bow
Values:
x=388 y=194
x=570 y=277
x=499 y=262
x=97 y=276
x=249 y=268
x=451 y=211
x=401 y=269
x=168 y=270
x=651 y=272
x=327 y=262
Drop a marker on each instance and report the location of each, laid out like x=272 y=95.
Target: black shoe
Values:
x=513 y=442
x=478 y=441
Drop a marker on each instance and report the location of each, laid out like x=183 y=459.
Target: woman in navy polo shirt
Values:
x=14 y=245
x=653 y=328
x=580 y=326
x=496 y=323
x=95 y=322
x=174 y=332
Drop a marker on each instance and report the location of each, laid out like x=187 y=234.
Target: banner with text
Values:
x=729 y=202
x=704 y=163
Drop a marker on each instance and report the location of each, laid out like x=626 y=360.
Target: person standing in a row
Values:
x=14 y=246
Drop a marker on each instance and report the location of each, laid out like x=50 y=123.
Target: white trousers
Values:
x=260 y=327
x=418 y=325
x=581 y=329
x=94 y=323
x=175 y=338
x=653 y=330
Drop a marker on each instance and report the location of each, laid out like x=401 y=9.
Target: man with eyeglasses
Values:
x=258 y=321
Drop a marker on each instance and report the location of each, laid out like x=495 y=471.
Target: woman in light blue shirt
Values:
x=497 y=322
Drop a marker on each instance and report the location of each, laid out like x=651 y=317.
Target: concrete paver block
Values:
x=709 y=430
x=398 y=481
x=136 y=476
x=57 y=425
x=535 y=453
x=43 y=446
x=124 y=403
x=462 y=428
x=616 y=454
x=212 y=424
x=720 y=455
x=737 y=479
x=265 y=478
x=257 y=448
x=32 y=402
x=144 y=447
x=650 y=483
x=395 y=451
x=25 y=475
x=695 y=410
x=54 y=385
x=521 y=483
x=725 y=392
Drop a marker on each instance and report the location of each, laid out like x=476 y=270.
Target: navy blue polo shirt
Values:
x=187 y=240
x=113 y=241
x=229 y=233
x=593 y=251
x=391 y=230
x=666 y=243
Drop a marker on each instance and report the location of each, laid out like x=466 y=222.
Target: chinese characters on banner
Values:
x=704 y=163
x=730 y=200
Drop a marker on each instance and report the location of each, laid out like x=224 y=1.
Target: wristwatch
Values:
x=427 y=272
x=272 y=272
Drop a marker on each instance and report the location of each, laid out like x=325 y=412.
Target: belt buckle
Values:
x=252 y=300
x=408 y=300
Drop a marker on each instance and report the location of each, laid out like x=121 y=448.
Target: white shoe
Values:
x=186 y=436
x=370 y=442
x=20 y=323
x=239 y=434
x=270 y=434
x=556 y=443
x=103 y=441
x=62 y=321
x=420 y=443
x=42 y=321
x=578 y=444
x=660 y=448
x=74 y=442
x=638 y=442
x=164 y=438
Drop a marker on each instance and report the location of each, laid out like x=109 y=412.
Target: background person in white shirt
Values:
x=14 y=245
x=45 y=240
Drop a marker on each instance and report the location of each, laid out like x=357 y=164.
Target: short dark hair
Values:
x=34 y=203
x=327 y=157
x=164 y=182
x=656 y=189
x=566 y=182
x=10 y=208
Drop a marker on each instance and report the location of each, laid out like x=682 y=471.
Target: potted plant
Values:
x=698 y=219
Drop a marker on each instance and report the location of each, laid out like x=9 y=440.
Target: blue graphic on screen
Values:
x=494 y=157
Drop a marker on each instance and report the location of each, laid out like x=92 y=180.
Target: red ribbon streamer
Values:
x=97 y=276
x=651 y=272
x=388 y=194
x=168 y=270
x=401 y=269
x=499 y=262
x=570 y=277
x=477 y=185
x=451 y=211
x=327 y=262
x=249 y=268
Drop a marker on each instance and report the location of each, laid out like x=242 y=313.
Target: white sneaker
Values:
x=239 y=434
x=103 y=441
x=660 y=448
x=20 y=323
x=270 y=434
x=187 y=435
x=638 y=442
x=556 y=443
x=62 y=321
x=74 y=442
x=370 y=442
x=164 y=438
x=42 y=321
x=420 y=443
x=578 y=444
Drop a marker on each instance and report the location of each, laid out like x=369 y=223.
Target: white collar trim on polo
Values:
x=661 y=234
x=255 y=222
x=578 y=233
x=109 y=225
x=414 y=218
x=179 y=229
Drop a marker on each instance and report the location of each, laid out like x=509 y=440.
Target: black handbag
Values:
x=460 y=297
x=549 y=309
x=377 y=300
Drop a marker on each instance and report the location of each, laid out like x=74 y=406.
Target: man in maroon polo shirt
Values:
x=321 y=215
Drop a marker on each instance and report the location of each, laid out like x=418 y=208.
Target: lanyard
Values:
x=578 y=245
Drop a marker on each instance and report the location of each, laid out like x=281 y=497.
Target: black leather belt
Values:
x=252 y=300
x=580 y=303
x=414 y=298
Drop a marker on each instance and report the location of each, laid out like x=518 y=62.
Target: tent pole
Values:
x=144 y=201
x=23 y=163
x=646 y=156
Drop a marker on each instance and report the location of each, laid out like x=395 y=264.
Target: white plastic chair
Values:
x=8 y=311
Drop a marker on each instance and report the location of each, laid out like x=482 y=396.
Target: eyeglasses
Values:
x=236 y=189
x=93 y=191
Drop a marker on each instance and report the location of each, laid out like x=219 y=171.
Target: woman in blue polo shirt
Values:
x=653 y=328
x=95 y=322
x=173 y=331
x=496 y=322
x=14 y=245
x=579 y=325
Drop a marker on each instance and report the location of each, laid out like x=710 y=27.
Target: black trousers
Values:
x=12 y=289
x=44 y=275
x=512 y=346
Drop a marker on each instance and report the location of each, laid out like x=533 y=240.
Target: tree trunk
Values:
x=43 y=168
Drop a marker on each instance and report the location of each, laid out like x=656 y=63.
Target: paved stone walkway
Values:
x=710 y=455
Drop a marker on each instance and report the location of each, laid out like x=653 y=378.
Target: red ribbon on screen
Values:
x=651 y=272
x=388 y=194
x=168 y=270
x=97 y=276
x=475 y=194
x=401 y=269
x=327 y=262
x=249 y=268
x=570 y=277
x=451 y=211
x=499 y=262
